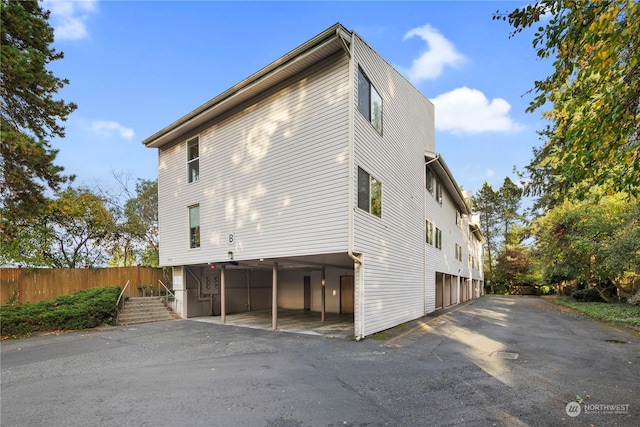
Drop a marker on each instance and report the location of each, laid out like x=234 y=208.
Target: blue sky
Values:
x=136 y=66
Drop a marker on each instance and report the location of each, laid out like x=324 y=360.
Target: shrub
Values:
x=84 y=309
x=587 y=295
x=547 y=290
x=634 y=299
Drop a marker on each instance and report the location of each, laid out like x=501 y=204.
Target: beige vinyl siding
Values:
x=394 y=281
x=274 y=174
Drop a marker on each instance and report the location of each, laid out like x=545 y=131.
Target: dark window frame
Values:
x=193 y=159
x=370 y=101
x=369 y=193
x=194 y=229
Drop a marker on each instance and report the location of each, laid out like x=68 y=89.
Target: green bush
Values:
x=81 y=310
x=587 y=295
x=634 y=299
x=547 y=289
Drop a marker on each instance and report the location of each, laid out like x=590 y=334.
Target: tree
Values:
x=509 y=198
x=29 y=113
x=594 y=91
x=135 y=240
x=70 y=230
x=486 y=206
x=143 y=210
x=595 y=242
x=512 y=266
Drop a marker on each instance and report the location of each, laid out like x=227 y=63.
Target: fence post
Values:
x=20 y=284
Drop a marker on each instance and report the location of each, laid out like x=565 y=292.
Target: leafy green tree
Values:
x=509 y=200
x=594 y=242
x=136 y=238
x=593 y=92
x=71 y=231
x=29 y=111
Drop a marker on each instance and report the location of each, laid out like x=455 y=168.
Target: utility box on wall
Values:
x=211 y=283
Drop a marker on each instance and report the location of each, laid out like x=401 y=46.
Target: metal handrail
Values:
x=167 y=289
x=122 y=293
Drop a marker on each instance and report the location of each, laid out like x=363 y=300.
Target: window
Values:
x=369 y=193
x=429 y=232
x=193 y=159
x=438 y=238
x=194 y=226
x=429 y=180
x=369 y=101
x=458 y=252
x=438 y=191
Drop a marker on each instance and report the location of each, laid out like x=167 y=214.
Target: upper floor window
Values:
x=193 y=159
x=369 y=101
x=429 y=232
x=438 y=238
x=458 y=252
x=369 y=193
x=438 y=191
x=194 y=226
x=429 y=180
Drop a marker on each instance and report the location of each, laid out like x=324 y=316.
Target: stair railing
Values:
x=122 y=293
x=168 y=291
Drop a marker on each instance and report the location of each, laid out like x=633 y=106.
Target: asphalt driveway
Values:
x=497 y=361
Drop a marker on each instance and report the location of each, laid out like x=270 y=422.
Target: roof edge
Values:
x=336 y=30
x=443 y=171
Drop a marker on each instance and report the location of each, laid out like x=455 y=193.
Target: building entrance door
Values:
x=346 y=294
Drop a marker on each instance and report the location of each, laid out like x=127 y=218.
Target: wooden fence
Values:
x=39 y=284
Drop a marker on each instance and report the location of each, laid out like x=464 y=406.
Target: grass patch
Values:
x=609 y=312
x=388 y=333
x=81 y=310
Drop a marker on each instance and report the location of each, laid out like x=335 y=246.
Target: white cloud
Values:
x=441 y=52
x=490 y=173
x=465 y=110
x=106 y=129
x=69 y=18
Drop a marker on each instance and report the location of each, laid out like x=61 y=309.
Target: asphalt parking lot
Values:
x=497 y=361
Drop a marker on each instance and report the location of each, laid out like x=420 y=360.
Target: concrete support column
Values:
x=324 y=296
x=223 y=295
x=274 y=298
x=180 y=292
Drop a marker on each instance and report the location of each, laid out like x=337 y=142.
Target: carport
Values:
x=310 y=293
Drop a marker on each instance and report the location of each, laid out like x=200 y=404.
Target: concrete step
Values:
x=144 y=310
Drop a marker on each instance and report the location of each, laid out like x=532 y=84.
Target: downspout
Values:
x=424 y=240
x=248 y=292
x=356 y=259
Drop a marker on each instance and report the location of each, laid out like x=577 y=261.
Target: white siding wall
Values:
x=393 y=275
x=274 y=174
x=443 y=261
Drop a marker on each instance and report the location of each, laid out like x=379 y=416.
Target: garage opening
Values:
x=312 y=295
